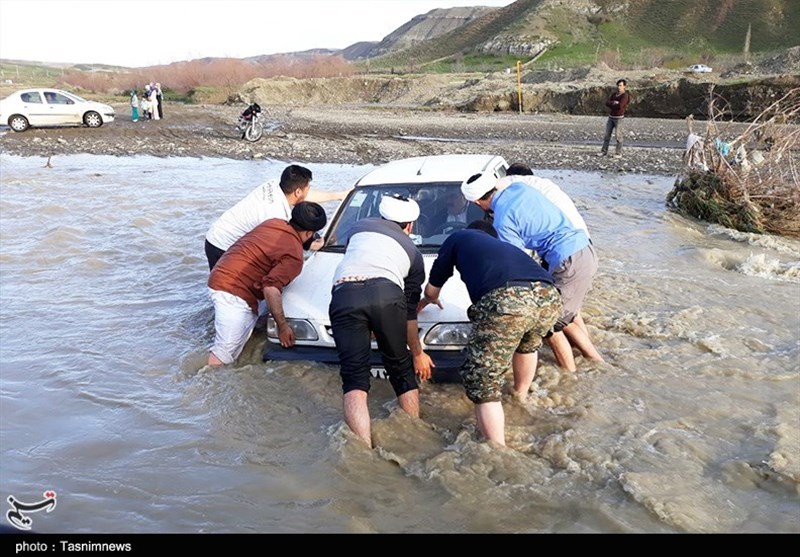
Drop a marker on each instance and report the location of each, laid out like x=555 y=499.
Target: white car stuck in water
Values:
x=52 y=107
x=434 y=182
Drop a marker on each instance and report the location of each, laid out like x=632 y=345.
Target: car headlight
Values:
x=303 y=329
x=448 y=334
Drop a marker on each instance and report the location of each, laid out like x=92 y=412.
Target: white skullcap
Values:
x=398 y=210
x=478 y=187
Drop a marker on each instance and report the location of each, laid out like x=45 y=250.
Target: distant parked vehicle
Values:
x=698 y=68
x=52 y=107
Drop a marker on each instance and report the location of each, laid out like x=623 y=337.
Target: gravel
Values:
x=370 y=134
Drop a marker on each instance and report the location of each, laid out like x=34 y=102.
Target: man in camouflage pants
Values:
x=514 y=305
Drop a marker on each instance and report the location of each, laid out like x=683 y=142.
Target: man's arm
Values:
x=322 y=196
x=275 y=302
x=623 y=102
x=422 y=362
x=431 y=296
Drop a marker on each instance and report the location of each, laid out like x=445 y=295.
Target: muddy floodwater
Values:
x=691 y=424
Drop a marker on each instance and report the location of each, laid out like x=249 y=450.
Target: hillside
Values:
x=584 y=31
x=418 y=30
x=741 y=92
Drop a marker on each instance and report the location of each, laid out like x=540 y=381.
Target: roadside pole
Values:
x=519 y=85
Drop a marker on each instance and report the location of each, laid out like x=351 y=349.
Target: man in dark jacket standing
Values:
x=616 y=103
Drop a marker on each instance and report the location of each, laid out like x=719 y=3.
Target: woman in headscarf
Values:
x=154 y=102
x=159 y=99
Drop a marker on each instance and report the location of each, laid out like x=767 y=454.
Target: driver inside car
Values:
x=457 y=213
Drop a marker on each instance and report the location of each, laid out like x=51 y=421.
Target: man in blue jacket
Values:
x=514 y=305
x=526 y=219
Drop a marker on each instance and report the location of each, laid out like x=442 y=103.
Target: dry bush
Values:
x=750 y=183
x=611 y=58
x=218 y=72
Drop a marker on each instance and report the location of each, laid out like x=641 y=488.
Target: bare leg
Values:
x=578 y=338
x=213 y=360
x=491 y=421
x=409 y=401
x=524 y=366
x=356 y=414
x=562 y=351
x=581 y=323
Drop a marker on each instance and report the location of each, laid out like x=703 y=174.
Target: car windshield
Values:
x=443 y=210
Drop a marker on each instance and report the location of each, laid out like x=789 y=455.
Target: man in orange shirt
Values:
x=258 y=266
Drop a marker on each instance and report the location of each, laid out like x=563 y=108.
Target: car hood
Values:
x=308 y=296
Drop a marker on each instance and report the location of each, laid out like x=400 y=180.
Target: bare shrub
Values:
x=229 y=73
x=750 y=183
x=611 y=58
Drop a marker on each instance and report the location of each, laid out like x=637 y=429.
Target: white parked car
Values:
x=434 y=182
x=698 y=68
x=52 y=107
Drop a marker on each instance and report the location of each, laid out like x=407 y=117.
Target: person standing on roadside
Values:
x=159 y=99
x=145 y=103
x=376 y=289
x=514 y=306
x=617 y=103
x=134 y=106
x=153 y=98
x=258 y=266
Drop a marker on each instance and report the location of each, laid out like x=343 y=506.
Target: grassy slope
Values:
x=644 y=32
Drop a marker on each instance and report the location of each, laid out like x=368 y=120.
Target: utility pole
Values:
x=747 y=43
x=519 y=85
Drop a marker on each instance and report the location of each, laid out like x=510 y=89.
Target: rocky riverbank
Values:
x=369 y=134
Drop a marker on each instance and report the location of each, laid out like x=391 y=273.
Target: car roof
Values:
x=433 y=168
x=39 y=90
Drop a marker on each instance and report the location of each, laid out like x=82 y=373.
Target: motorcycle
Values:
x=249 y=123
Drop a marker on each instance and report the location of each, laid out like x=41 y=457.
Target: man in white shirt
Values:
x=518 y=172
x=271 y=200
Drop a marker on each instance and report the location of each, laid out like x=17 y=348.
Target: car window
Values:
x=32 y=97
x=443 y=210
x=57 y=98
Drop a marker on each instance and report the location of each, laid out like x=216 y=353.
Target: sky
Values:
x=140 y=33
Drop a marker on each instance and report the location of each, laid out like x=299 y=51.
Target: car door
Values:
x=61 y=109
x=32 y=106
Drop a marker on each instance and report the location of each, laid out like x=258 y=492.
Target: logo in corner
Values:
x=16 y=515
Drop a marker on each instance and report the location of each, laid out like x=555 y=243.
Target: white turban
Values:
x=398 y=210
x=478 y=187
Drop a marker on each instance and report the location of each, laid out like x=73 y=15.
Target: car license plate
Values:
x=378 y=372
